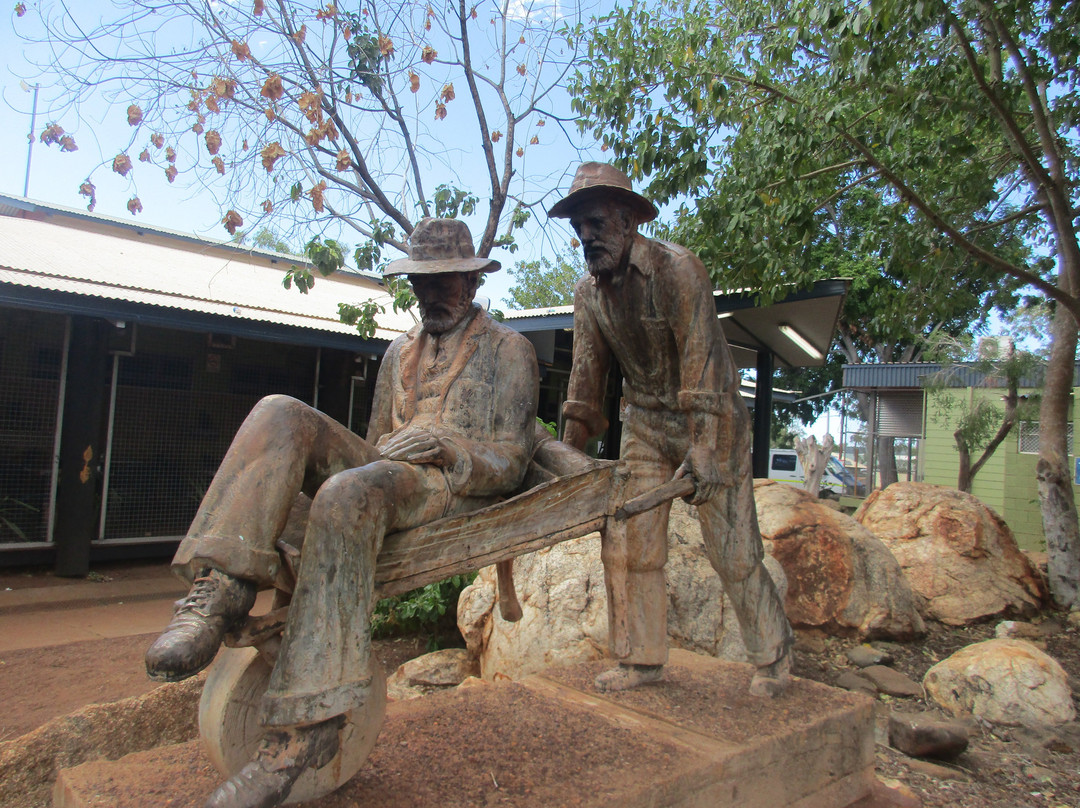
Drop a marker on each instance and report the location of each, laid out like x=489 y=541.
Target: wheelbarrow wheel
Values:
x=230 y=728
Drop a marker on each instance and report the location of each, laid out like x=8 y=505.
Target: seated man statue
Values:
x=648 y=305
x=452 y=429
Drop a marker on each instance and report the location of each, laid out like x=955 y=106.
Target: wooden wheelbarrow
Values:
x=552 y=508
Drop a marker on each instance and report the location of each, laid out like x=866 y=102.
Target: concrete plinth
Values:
x=696 y=739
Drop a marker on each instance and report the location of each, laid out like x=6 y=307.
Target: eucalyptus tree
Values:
x=960 y=116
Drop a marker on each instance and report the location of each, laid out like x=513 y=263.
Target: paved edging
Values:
x=90 y=593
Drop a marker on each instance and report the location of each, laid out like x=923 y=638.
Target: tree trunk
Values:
x=1052 y=472
x=963 y=476
x=886 y=460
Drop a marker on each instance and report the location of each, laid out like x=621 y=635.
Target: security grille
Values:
x=31 y=349
x=1028 y=437
x=179 y=401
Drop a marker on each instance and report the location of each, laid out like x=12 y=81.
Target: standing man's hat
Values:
x=594 y=180
x=440 y=245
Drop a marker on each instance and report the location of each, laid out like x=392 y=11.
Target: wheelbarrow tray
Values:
x=567 y=507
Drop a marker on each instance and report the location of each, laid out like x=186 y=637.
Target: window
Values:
x=783 y=462
x=1027 y=441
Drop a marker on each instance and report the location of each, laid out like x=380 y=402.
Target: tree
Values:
x=541 y=283
x=296 y=112
x=981 y=425
x=960 y=116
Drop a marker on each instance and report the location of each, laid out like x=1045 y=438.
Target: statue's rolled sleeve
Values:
x=588 y=375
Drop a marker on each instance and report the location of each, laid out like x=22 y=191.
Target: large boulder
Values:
x=958 y=555
x=841 y=578
x=564 y=605
x=1003 y=681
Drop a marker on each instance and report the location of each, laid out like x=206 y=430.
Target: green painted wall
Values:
x=1006 y=483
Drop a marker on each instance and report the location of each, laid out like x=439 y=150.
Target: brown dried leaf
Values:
x=244 y=145
x=212 y=104
x=67 y=144
x=223 y=87
x=316 y=195
x=344 y=162
x=520 y=152
x=496 y=136
x=311 y=105
x=327 y=13
x=87 y=188
x=134 y=205
x=219 y=164
x=534 y=140
x=267 y=206
x=170 y=154
x=144 y=156
x=241 y=50
x=171 y=172
x=414 y=82
x=232 y=222
x=157 y=141
x=272 y=88
x=213 y=141
x=542 y=122
x=427 y=24
x=429 y=54
x=197 y=128
x=134 y=114
x=300 y=35
x=440 y=110
x=521 y=70
x=574 y=243
x=448 y=93
x=20 y=9
x=270 y=153
x=472 y=13
x=121 y=164
x=258 y=9
x=270 y=114
x=52 y=134
x=386 y=46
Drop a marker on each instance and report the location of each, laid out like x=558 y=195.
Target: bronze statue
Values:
x=649 y=305
x=452 y=429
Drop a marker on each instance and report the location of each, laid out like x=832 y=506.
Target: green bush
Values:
x=430 y=610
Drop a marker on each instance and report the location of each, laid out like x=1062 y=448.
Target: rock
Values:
x=852 y=681
x=564 y=612
x=892 y=682
x=863 y=656
x=893 y=793
x=841 y=579
x=1002 y=681
x=426 y=674
x=810 y=641
x=924 y=736
x=28 y=764
x=564 y=605
x=1017 y=630
x=1039 y=774
x=1074 y=619
x=958 y=555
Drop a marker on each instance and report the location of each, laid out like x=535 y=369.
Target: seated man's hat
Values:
x=440 y=245
x=597 y=180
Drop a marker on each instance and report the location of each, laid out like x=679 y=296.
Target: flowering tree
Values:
x=297 y=111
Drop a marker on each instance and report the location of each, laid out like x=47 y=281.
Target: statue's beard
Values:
x=600 y=263
x=438 y=318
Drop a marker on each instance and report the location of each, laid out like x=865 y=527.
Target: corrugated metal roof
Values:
x=915 y=374
x=96 y=260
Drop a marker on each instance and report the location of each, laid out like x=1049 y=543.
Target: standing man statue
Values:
x=452 y=429
x=649 y=305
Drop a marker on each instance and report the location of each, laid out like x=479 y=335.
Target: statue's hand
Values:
x=703 y=466
x=417 y=446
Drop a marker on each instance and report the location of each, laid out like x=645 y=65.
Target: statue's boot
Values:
x=216 y=603
x=771 y=680
x=282 y=756
x=626 y=676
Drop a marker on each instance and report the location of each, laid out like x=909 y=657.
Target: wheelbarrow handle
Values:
x=684 y=486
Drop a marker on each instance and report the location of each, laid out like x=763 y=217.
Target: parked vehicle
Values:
x=785 y=467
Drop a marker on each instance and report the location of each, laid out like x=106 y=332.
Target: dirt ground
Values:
x=1003 y=767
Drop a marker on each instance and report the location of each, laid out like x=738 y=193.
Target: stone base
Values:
x=695 y=739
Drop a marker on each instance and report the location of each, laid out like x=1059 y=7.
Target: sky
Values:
x=55 y=177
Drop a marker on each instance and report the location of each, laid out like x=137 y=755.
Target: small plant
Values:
x=430 y=610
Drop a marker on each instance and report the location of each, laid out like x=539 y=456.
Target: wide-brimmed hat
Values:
x=440 y=245
x=594 y=180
